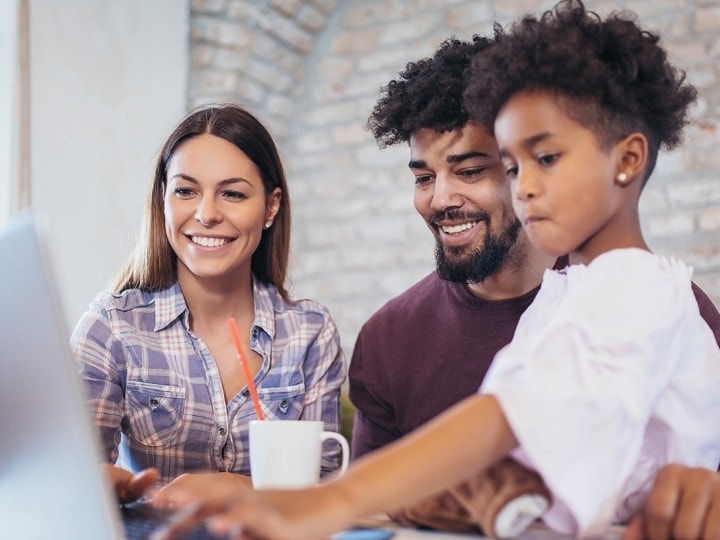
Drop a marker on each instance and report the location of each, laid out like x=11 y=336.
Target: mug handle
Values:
x=325 y=435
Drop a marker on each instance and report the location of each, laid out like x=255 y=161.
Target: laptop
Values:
x=51 y=480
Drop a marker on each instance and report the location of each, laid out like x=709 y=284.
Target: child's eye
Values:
x=511 y=172
x=548 y=159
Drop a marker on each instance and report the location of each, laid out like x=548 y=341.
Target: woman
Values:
x=165 y=385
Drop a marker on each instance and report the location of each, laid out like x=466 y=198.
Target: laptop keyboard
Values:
x=140 y=520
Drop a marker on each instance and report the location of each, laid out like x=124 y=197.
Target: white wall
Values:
x=108 y=83
x=9 y=105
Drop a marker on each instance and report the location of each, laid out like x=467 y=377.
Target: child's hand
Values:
x=234 y=508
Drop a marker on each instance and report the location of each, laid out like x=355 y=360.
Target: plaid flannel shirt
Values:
x=155 y=392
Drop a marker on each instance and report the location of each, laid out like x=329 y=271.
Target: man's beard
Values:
x=482 y=263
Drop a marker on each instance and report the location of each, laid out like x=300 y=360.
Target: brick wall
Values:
x=311 y=70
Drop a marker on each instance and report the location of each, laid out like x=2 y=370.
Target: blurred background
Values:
x=89 y=89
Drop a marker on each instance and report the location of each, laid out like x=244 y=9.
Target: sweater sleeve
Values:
x=708 y=311
x=374 y=425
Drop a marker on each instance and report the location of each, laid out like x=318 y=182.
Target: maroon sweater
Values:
x=429 y=348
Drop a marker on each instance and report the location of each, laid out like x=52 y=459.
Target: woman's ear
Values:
x=272 y=206
x=633 y=155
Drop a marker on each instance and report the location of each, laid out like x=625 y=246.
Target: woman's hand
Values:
x=200 y=482
x=130 y=487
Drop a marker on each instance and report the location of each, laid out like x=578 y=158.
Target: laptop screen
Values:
x=51 y=484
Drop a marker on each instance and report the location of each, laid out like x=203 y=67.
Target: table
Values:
x=537 y=531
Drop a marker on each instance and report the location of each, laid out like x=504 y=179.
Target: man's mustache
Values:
x=455 y=215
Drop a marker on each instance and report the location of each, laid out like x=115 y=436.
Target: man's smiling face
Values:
x=463 y=196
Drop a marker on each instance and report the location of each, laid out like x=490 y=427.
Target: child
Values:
x=612 y=373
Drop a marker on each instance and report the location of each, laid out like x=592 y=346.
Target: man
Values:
x=431 y=346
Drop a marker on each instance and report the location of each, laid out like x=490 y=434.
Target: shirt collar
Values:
x=169 y=306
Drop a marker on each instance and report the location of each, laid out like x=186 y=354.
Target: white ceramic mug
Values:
x=287 y=453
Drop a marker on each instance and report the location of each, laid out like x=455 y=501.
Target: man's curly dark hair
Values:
x=610 y=75
x=427 y=94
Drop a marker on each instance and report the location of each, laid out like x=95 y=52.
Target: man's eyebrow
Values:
x=459 y=158
x=454 y=158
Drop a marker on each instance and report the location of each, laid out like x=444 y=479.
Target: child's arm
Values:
x=469 y=437
x=465 y=439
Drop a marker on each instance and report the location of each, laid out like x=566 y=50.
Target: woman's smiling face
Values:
x=215 y=208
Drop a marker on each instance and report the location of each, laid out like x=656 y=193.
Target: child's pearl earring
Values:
x=621 y=178
x=268 y=224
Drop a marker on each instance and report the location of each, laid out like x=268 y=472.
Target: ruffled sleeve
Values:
x=586 y=366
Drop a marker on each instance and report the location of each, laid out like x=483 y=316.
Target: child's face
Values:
x=562 y=182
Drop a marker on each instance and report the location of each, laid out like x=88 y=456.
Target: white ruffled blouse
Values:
x=612 y=374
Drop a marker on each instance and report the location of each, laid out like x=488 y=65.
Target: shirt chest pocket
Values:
x=154 y=412
x=286 y=403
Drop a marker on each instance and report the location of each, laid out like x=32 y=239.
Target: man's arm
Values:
x=374 y=425
x=684 y=503
x=708 y=312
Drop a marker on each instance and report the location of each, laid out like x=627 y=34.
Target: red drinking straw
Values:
x=246 y=368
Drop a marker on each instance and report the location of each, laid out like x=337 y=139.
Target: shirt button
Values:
x=246 y=392
x=154 y=402
x=221 y=431
x=254 y=333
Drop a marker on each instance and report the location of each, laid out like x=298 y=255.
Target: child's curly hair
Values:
x=427 y=94
x=609 y=75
